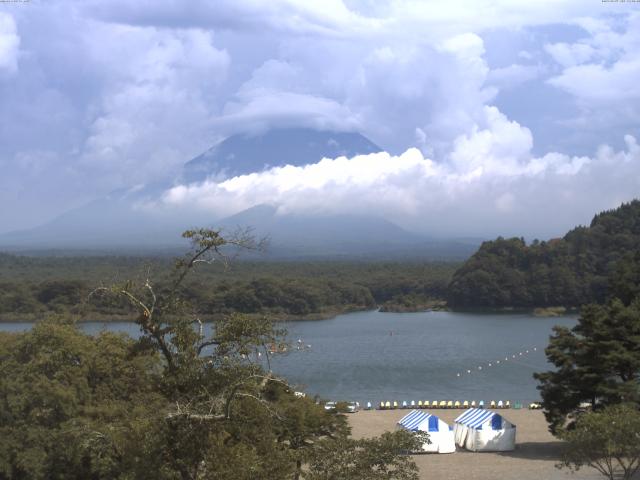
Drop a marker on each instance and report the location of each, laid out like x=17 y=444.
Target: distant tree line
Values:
x=33 y=287
x=569 y=271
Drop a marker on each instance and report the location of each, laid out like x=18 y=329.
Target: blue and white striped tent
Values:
x=477 y=417
x=440 y=434
x=478 y=429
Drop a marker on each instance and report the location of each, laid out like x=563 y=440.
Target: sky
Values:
x=496 y=117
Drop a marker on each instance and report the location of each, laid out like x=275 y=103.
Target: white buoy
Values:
x=479 y=368
x=489 y=364
x=457 y=374
x=468 y=371
x=498 y=361
x=520 y=354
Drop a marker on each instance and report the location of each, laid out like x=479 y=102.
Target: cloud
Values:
x=491 y=183
x=259 y=109
x=514 y=75
x=570 y=55
x=602 y=68
x=388 y=69
x=310 y=17
x=600 y=83
x=427 y=18
x=9 y=43
x=156 y=105
x=98 y=96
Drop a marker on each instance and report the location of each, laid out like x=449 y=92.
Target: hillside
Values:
x=568 y=271
x=242 y=154
x=118 y=222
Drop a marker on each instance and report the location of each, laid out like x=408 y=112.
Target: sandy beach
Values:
x=536 y=454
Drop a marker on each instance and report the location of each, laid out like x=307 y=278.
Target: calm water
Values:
x=373 y=356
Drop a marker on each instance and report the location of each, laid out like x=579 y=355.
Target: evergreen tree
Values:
x=597 y=361
x=569 y=271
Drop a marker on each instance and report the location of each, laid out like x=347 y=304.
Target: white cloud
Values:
x=261 y=108
x=308 y=17
x=604 y=67
x=570 y=55
x=492 y=183
x=596 y=82
x=112 y=94
x=9 y=43
x=514 y=75
x=157 y=106
x=500 y=148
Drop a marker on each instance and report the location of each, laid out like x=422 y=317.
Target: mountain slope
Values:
x=114 y=221
x=244 y=154
x=569 y=271
x=111 y=222
x=342 y=235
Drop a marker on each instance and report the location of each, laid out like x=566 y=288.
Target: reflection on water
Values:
x=373 y=356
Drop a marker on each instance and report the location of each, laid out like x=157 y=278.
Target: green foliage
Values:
x=570 y=271
x=174 y=404
x=31 y=287
x=597 y=361
x=608 y=441
x=366 y=459
x=72 y=405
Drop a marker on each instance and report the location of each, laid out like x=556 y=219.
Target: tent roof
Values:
x=475 y=417
x=414 y=418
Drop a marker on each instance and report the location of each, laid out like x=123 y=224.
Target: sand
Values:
x=536 y=454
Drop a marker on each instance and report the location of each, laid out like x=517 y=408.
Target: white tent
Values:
x=484 y=430
x=440 y=434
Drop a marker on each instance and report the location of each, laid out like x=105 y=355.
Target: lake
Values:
x=374 y=356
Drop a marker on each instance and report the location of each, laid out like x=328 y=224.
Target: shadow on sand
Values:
x=537 y=451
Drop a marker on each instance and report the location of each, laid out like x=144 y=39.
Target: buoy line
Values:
x=513 y=358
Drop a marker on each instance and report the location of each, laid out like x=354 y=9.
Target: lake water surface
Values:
x=373 y=356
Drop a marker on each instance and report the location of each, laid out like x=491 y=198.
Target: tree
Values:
x=74 y=406
x=215 y=386
x=597 y=361
x=608 y=441
x=182 y=402
x=366 y=459
x=303 y=423
x=569 y=272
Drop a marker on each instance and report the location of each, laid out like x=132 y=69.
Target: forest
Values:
x=32 y=287
x=569 y=271
x=174 y=404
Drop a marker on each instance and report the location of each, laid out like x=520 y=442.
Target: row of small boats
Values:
x=444 y=404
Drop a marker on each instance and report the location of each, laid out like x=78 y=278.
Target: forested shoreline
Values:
x=33 y=287
x=569 y=272
x=503 y=274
